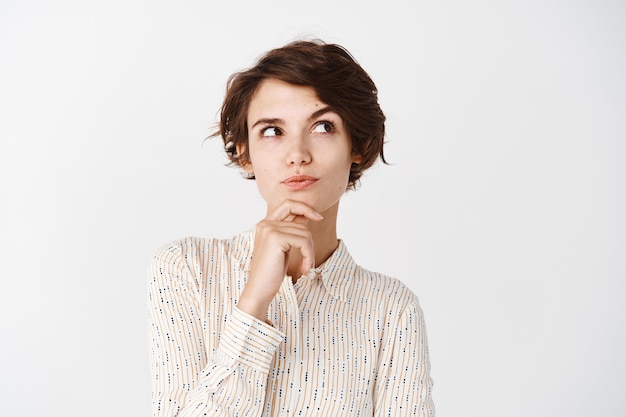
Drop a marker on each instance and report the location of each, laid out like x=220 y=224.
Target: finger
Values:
x=287 y=238
x=308 y=258
x=283 y=235
x=290 y=209
x=306 y=265
x=266 y=227
x=300 y=219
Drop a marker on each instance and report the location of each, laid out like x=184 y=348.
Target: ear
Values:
x=356 y=158
x=247 y=167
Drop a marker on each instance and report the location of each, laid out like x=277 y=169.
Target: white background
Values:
x=503 y=208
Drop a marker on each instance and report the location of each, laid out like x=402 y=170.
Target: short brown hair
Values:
x=338 y=80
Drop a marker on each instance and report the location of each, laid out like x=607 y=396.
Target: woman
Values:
x=279 y=320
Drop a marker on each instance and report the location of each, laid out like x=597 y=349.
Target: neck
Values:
x=324 y=240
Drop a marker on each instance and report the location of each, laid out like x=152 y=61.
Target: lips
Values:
x=299 y=182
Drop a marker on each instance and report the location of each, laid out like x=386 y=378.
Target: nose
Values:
x=299 y=152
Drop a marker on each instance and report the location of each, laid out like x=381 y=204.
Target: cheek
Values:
x=342 y=175
x=261 y=156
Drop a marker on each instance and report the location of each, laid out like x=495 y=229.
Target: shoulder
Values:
x=359 y=286
x=383 y=290
x=196 y=248
x=186 y=250
x=198 y=255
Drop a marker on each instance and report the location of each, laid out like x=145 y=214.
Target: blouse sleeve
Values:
x=186 y=381
x=404 y=385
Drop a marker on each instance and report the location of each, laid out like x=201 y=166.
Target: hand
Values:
x=284 y=227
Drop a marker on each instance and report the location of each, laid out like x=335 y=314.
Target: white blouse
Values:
x=343 y=341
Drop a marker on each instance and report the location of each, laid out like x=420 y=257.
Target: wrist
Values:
x=253 y=306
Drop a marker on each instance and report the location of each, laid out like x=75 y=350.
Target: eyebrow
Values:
x=273 y=120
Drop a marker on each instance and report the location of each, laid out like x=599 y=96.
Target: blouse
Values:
x=341 y=341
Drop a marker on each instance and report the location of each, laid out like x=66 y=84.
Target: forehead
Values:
x=278 y=99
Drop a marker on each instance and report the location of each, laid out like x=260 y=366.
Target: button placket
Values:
x=293 y=345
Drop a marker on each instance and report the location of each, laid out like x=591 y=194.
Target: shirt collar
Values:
x=336 y=273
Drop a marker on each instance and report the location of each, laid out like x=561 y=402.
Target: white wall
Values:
x=507 y=134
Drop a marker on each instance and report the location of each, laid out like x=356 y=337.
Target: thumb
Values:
x=307 y=264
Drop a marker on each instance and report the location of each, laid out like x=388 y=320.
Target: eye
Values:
x=324 y=127
x=270 y=132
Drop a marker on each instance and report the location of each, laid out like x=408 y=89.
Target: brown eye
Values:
x=324 y=127
x=270 y=132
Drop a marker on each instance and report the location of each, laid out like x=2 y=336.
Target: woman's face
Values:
x=299 y=148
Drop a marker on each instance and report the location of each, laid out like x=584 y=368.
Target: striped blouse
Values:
x=343 y=341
